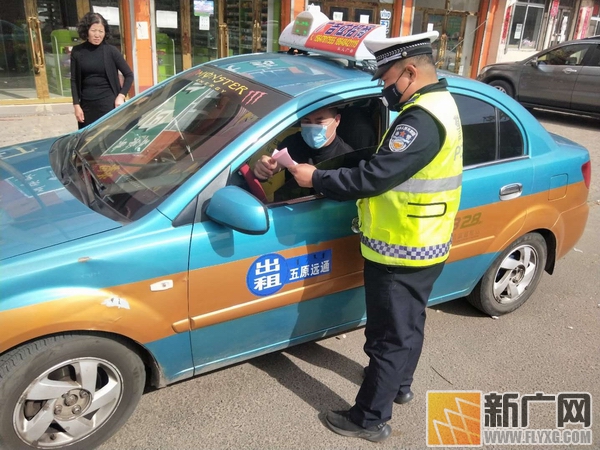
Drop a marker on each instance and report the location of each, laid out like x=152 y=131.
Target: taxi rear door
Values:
x=496 y=192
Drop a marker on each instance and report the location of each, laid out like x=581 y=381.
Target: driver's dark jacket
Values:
x=301 y=152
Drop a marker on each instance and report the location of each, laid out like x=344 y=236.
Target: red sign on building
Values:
x=554 y=8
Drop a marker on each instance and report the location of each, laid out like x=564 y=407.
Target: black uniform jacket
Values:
x=387 y=169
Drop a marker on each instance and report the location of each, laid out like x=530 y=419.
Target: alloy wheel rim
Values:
x=515 y=274
x=68 y=402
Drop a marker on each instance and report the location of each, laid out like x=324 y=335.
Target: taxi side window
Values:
x=360 y=127
x=488 y=133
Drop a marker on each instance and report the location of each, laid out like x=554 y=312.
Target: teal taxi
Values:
x=141 y=251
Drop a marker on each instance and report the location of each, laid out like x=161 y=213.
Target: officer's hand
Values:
x=265 y=167
x=303 y=174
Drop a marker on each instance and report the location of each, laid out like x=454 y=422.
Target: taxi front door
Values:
x=252 y=294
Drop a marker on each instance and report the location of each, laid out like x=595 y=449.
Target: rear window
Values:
x=489 y=134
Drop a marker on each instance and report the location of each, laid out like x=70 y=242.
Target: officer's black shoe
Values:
x=401 y=399
x=339 y=422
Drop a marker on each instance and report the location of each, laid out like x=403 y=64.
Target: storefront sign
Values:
x=339 y=37
x=518 y=30
x=386 y=24
x=204 y=7
x=142 y=31
x=585 y=13
x=385 y=16
x=506 y=24
x=554 y=8
x=110 y=13
x=166 y=19
x=204 y=23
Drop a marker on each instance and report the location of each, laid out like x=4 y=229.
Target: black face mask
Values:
x=391 y=95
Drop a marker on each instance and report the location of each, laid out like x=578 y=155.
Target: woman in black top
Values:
x=95 y=66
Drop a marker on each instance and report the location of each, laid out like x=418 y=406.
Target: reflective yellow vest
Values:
x=412 y=224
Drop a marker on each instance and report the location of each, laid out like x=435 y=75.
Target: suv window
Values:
x=569 y=55
x=488 y=133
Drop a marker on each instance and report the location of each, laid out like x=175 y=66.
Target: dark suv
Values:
x=565 y=77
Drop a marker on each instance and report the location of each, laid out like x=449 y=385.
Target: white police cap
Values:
x=387 y=51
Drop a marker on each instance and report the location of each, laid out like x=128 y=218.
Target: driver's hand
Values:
x=265 y=167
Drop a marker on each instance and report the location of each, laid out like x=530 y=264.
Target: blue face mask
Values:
x=314 y=135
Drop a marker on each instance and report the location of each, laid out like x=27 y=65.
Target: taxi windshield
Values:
x=142 y=153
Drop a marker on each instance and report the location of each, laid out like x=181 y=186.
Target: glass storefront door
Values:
x=37 y=37
x=207 y=28
x=447 y=50
x=35 y=46
x=252 y=25
x=17 y=78
x=58 y=22
x=168 y=20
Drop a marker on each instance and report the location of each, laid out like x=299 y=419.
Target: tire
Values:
x=512 y=277
x=70 y=391
x=503 y=86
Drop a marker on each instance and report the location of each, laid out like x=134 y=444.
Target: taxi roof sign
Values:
x=313 y=31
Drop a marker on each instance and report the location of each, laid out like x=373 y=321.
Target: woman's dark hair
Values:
x=83 y=27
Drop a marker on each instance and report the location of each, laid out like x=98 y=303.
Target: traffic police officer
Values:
x=408 y=196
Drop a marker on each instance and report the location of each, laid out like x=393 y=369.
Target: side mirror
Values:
x=533 y=62
x=237 y=209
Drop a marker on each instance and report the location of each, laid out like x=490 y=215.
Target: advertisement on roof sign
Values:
x=339 y=37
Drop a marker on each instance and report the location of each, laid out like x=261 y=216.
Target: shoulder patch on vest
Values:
x=403 y=136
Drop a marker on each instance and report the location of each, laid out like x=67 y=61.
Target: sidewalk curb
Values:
x=46 y=109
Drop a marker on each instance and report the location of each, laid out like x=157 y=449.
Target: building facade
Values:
x=523 y=27
x=160 y=38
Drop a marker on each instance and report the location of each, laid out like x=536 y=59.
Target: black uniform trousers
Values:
x=396 y=299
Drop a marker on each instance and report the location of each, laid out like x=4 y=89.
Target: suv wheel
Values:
x=503 y=86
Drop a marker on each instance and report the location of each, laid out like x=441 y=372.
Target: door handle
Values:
x=511 y=191
x=223 y=48
x=569 y=70
x=256 y=37
x=37 y=47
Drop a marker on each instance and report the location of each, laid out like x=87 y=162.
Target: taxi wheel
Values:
x=512 y=277
x=69 y=391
